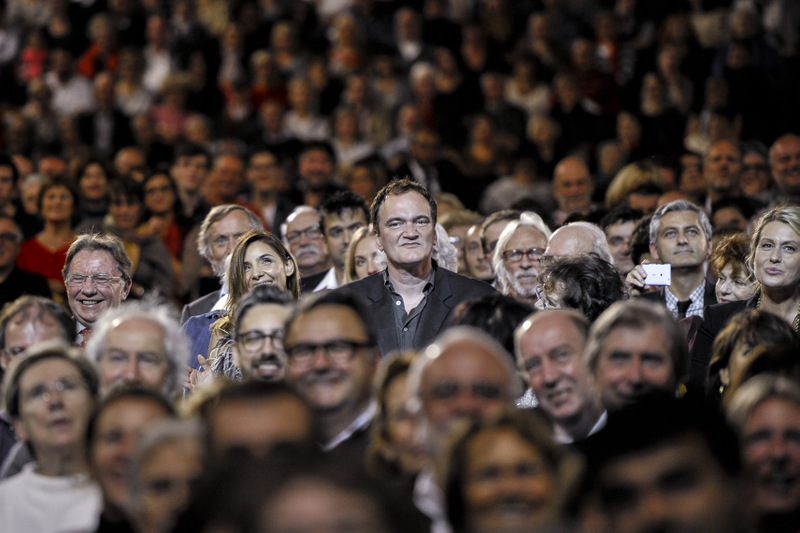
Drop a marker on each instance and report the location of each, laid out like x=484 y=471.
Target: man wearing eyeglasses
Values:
x=302 y=234
x=97 y=273
x=332 y=357
x=13 y=281
x=517 y=254
x=257 y=347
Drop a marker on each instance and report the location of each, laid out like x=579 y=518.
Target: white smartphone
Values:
x=657 y=274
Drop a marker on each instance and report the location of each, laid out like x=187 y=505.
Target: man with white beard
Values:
x=517 y=254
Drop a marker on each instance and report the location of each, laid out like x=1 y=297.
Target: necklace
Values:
x=795 y=322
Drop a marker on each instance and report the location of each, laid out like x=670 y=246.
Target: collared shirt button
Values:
x=405 y=329
x=397 y=302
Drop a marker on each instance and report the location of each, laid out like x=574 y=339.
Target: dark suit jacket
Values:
x=709 y=295
x=20 y=282
x=200 y=306
x=715 y=318
x=121 y=134
x=449 y=290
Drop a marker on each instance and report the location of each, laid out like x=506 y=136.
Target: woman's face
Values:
x=54 y=407
x=367 y=258
x=730 y=288
x=777 y=257
x=126 y=212
x=264 y=266
x=93 y=182
x=401 y=446
x=57 y=204
x=503 y=467
x=159 y=197
x=165 y=479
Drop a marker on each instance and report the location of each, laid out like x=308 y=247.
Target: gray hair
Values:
x=678 y=205
x=299 y=210
x=216 y=214
x=526 y=219
x=444 y=252
x=176 y=345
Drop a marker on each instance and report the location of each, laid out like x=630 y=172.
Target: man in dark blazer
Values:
x=105 y=129
x=680 y=235
x=411 y=301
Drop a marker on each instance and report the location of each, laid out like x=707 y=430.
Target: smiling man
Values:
x=680 y=235
x=516 y=257
x=332 y=359
x=303 y=235
x=550 y=350
x=97 y=274
x=414 y=298
x=635 y=349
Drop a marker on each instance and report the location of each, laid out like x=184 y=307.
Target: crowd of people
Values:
x=447 y=266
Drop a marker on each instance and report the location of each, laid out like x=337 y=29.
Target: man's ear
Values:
x=126 y=289
x=654 y=252
x=378 y=241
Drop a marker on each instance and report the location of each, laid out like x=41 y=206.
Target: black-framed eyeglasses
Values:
x=312 y=232
x=253 y=341
x=99 y=280
x=515 y=256
x=338 y=351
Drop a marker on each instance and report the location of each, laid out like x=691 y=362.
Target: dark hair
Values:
x=659 y=421
x=191 y=149
x=754 y=327
x=126 y=187
x=125 y=390
x=160 y=172
x=740 y=203
x=590 y=284
x=338 y=203
x=338 y=299
x=262 y=294
x=322 y=146
x=619 y=215
x=640 y=240
x=7 y=161
x=43 y=305
x=496 y=314
x=52 y=183
x=396 y=187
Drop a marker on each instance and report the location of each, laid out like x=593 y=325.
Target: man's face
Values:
x=339 y=231
x=117 y=429
x=676 y=487
x=618 y=237
x=632 y=363
x=681 y=240
x=88 y=300
x=407 y=232
x=258 y=345
x=31 y=326
x=754 y=178
x=222 y=236
x=328 y=380
x=264 y=173
x=315 y=168
x=190 y=172
x=311 y=252
x=474 y=257
x=785 y=163
x=691 y=180
x=134 y=351
x=722 y=167
x=10 y=240
x=551 y=353
x=226 y=178
x=257 y=424
x=572 y=186
x=7 y=185
x=425 y=148
x=465 y=381
x=524 y=271
x=771 y=453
